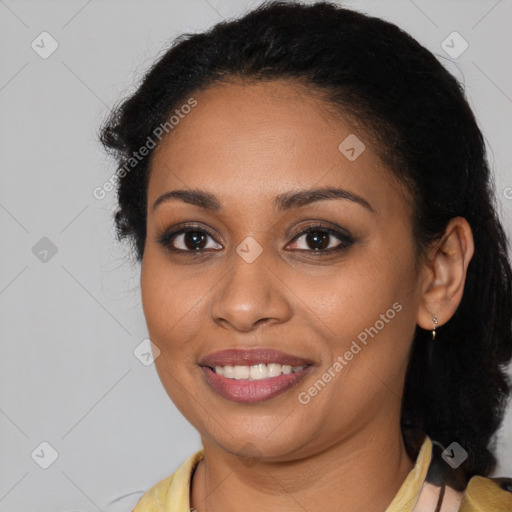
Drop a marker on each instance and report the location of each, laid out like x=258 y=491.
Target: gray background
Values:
x=70 y=324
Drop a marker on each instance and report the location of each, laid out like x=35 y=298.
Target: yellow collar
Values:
x=409 y=491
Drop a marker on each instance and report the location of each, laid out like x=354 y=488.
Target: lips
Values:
x=249 y=357
x=248 y=390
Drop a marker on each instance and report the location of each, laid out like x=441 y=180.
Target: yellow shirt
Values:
x=415 y=495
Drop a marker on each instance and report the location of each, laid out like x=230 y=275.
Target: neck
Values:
x=361 y=473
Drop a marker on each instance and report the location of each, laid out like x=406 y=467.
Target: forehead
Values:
x=253 y=141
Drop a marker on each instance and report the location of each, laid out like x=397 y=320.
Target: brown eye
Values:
x=187 y=240
x=194 y=240
x=322 y=239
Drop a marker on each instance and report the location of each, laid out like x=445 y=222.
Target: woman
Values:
x=324 y=276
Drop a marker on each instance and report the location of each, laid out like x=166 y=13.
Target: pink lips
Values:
x=247 y=391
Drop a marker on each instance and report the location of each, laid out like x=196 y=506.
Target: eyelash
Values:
x=167 y=238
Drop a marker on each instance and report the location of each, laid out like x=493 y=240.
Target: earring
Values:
x=434 y=319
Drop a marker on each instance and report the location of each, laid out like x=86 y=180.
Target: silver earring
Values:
x=434 y=319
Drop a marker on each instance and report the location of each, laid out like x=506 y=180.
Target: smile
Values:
x=253 y=375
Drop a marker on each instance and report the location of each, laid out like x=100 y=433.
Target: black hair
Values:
x=456 y=389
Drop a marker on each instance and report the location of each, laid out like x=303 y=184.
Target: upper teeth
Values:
x=256 y=371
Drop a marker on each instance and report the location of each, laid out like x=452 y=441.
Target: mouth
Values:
x=254 y=375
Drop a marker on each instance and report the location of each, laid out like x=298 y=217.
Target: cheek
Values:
x=352 y=296
x=168 y=303
x=366 y=315
x=167 y=300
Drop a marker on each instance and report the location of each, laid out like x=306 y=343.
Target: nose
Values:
x=250 y=295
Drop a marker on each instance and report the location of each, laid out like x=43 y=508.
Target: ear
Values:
x=445 y=274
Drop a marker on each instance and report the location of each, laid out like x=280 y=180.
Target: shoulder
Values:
x=485 y=494
x=171 y=493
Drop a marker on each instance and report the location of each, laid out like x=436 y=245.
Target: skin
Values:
x=343 y=451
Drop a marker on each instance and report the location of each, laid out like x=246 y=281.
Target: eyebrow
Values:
x=282 y=202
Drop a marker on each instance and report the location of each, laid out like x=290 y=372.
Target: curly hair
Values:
x=425 y=131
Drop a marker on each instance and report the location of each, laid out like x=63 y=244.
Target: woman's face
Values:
x=342 y=300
